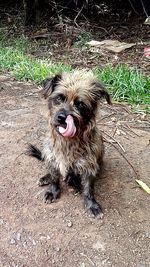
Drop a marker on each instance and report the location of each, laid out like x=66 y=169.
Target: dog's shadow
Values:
x=111 y=183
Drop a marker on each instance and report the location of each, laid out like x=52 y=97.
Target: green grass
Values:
x=24 y=67
x=128 y=85
x=124 y=84
x=13 y=58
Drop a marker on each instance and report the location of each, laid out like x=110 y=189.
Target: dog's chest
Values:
x=67 y=155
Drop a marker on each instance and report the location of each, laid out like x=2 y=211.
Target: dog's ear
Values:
x=49 y=85
x=99 y=92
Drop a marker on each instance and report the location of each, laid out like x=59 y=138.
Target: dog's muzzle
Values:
x=65 y=124
x=61 y=118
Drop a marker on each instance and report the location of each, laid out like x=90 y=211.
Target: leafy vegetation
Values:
x=128 y=85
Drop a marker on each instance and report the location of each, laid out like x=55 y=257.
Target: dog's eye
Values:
x=59 y=99
x=80 y=104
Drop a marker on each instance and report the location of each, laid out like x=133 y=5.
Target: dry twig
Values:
x=78 y=16
x=114 y=140
x=121 y=153
x=82 y=254
x=107 y=116
x=129 y=128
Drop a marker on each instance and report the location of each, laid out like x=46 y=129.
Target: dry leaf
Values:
x=112 y=45
x=144 y=186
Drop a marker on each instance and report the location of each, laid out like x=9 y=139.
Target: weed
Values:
x=124 y=84
x=128 y=85
x=82 y=39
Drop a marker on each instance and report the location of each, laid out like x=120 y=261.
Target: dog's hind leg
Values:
x=51 y=179
x=90 y=203
x=45 y=180
x=73 y=180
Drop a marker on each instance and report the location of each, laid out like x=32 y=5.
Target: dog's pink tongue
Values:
x=70 y=129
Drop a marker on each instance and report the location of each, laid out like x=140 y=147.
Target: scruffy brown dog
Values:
x=74 y=148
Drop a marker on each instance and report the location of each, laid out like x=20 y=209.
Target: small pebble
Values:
x=148 y=234
x=69 y=224
x=118 y=132
x=58 y=249
x=25 y=244
x=18 y=236
x=48 y=237
x=12 y=241
x=1 y=221
x=113 y=119
x=33 y=242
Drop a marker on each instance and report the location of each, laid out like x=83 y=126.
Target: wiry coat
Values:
x=83 y=156
x=77 y=94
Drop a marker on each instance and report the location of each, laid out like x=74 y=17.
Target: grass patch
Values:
x=14 y=59
x=127 y=85
x=124 y=84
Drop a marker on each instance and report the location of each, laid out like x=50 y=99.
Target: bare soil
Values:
x=61 y=234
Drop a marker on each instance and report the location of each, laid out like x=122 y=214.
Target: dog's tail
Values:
x=32 y=151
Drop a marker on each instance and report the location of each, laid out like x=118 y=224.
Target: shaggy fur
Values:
x=78 y=159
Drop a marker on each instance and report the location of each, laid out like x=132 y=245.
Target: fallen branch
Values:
x=107 y=116
x=41 y=36
x=114 y=140
x=75 y=19
x=129 y=128
x=121 y=153
x=82 y=254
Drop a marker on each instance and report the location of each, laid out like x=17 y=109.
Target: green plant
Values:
x=82 y=39
x=123 y=83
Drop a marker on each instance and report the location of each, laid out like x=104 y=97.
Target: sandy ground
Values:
x=61 y=234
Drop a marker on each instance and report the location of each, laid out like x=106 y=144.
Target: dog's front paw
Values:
x=52 y=193
x=94 y=209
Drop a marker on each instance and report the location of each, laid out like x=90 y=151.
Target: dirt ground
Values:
x=61 y=234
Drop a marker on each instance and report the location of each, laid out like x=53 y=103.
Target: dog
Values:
x=74 y=146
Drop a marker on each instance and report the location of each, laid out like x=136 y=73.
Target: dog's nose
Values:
x=61 y=118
